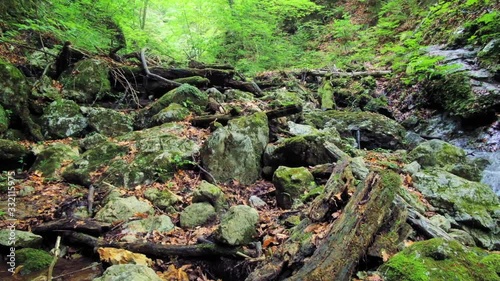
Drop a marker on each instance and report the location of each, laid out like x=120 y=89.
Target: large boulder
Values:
x=134 y=272
x=51 y=158
x=437 y=259
x=235 y=151
x=172 y=113
x=23 y=239
x=62 y=119
x=109 y=122
x=237 y=226
x=375 y=130
x=471 y=204
x=87 y=81
x=32 y=260
x=80 y=170
x=122 y=209
x=160 y=223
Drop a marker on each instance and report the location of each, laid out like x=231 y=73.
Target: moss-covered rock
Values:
x=163 y=199
x=283 y=98
x=437 y=153
x=122 y=209
x=187 y=95
x=109 y=122
x=237 y=226
x=438 y=260
x=473 y=205
x=207 y=192
x=235 y=151
x=290 y=184
x=160 y=223
x=24 y=239
x=14 y=93
x=325 y=93
x=129 y=272
x=87 y=81
x=4 y=120
x=197 y=214
x=50 y=159
x=79 y=171
x=62 y=119
x=12 y=155
x=196 y=81
x=172 y=113
x=32 y=260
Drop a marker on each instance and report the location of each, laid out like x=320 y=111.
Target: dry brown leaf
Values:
x=120 y=256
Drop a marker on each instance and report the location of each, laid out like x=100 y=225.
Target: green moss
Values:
x=437 y=260
x=33 y=260
x=492 y=261
x=194 y=80
x=4 y=120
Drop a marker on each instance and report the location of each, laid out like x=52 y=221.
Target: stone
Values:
x=237 y=226
x=256 y=202
x=412 y=168
x=4 y=120
x=87 y=81
x=32 y=260
x=197 y=214
x=12 y=155
x=134 y=272
x=462 y=236
x=62 y=119
x=441 y=221
x=51 y=158
x=160 y=223
x=437 y=259
x=291 y=183
x=91 y=140
x=23 y=239
x=301 y=129
x=122 y=209
x=172 y=113
x=26 y=191
x=163 y=199
x=437 y=153
x=234 y=152
x=207 y=192
x=109 y=122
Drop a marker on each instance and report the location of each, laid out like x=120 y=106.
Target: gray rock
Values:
x=122 y=209
x=197 y=214
x=237 y=226
x=207 y=192
x=23 y=239
x=109 y=122
x=160 y=223
x=91 y=141
x=62 y=119
x=235 y=151
x=256 y=202
x=359 y=168
x=128 y=272
x=12 y=154
x=441 y=221
x=300 y=129
x=26 y=191
x=412 y=168
x=462 y=237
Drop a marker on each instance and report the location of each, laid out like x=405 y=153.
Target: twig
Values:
x=26 y=46
x=54 y=261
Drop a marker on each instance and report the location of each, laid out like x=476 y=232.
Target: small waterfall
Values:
x=358 y=138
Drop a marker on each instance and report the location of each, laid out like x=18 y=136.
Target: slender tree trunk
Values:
x=144 y=11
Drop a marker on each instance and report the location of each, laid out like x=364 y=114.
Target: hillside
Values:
x=250 y=140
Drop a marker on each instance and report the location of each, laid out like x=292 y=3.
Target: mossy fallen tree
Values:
x=357 y=220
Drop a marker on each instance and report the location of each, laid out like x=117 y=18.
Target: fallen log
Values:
x=347 y=240
x=202 y=250
x=205 y=121
x=330 y=73
x=87 y=226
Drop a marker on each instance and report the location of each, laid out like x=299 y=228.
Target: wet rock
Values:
x=122 y=209
x=237 y=226
x=129 y=272
x=235 y=151
x=62 y=119
x=197 y=214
